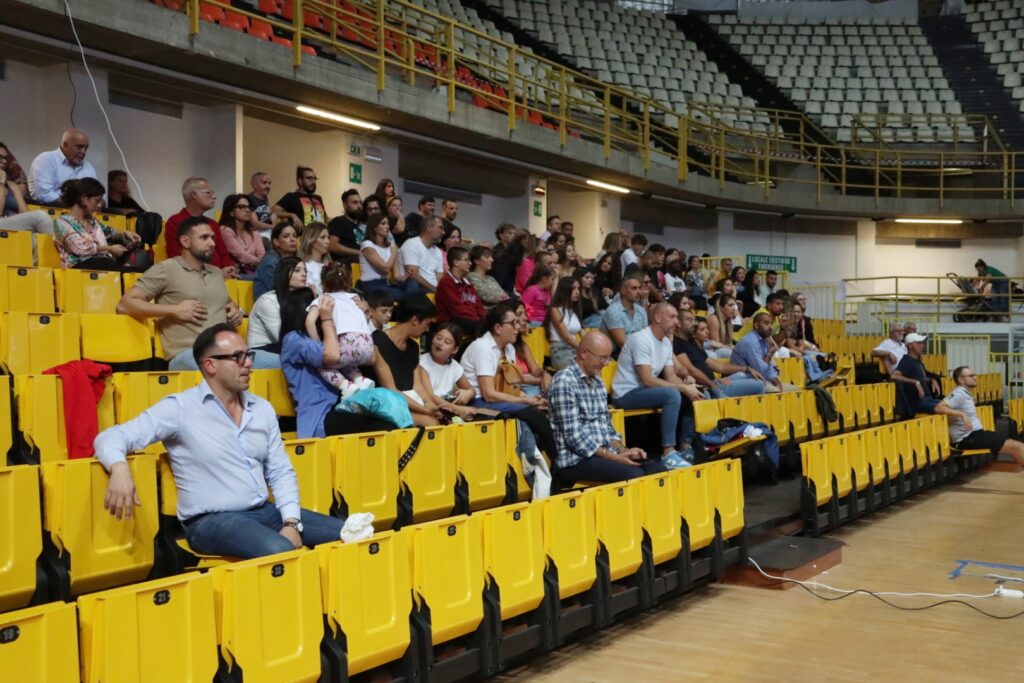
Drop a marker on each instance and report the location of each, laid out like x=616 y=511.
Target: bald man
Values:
x=50 y=169
x=589 y=448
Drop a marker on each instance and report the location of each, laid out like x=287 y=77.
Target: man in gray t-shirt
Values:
x=965 y=429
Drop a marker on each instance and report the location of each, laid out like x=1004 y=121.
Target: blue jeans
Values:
x=592 y=321
x=739 y=385
x=500 y=406
x=254 y=533
x=602 y=469
x=669 y=400
x=396 y=291
x=183 y=361
x=266 y=360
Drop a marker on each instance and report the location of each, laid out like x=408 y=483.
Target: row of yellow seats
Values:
x=793 y=371
x=829 y=328
x=989 y=389
x=1015 y=408
x=794 y=416
x=391 y=599
x=462 y=467
x=53 y=290
x=117 y=221
x=857 y=346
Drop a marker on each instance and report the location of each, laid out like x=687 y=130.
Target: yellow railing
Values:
x=909 y=297
x=395 y=38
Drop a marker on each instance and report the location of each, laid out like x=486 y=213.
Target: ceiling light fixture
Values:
x=931 y=221
x=338 y=118
x=608 y=186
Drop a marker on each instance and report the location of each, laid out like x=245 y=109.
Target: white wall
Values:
x=478 y=221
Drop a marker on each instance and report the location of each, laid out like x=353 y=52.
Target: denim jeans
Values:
x=739 y=385
x=254 y=533
x=669 y=400
x=266 y=360
x=602 y=469
x=183 y=361
x=397 y=292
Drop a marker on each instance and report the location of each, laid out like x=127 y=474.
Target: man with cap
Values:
x=920 y=389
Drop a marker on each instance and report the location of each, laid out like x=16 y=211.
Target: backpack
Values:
x=149 y=225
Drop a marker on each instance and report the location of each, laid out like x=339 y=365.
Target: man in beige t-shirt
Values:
x=185 y=294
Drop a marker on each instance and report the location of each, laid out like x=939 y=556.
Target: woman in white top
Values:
x=563 y=322
x=442 y=378
x=264 y=336
x=378 y=259
x=313 y=250
x=721 y=326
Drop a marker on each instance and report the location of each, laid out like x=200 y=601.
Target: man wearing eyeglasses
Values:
x=965 y=429
x=225 y=449
x=199 y=199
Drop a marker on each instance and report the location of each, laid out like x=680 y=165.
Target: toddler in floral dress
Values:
x=353 y=328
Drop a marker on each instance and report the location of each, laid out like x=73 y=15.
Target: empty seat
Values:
x=428 y=481
x=134 y=392
x=113 y=338
x=24 y=288
x=617 y=512
x=368 y=597
x=727 y=490
x=661 y=515
x=161 y=631
x=20 y=536
x=514 y=556
x=366 y=476
x=272 y=386
x=87 y=291
x=311 y=459
x=241 y=292
x=16 y=248
x=40 y=644
x=98 y=550
x=41 y=417
x=570 y=540
x=33 y=342
x=482 y=463
x=270 y=617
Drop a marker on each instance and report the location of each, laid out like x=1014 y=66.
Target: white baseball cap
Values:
x=914 y=337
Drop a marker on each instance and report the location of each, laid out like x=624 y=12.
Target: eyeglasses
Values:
x=310 y=177
x=507 y=322
x=238 y=356
x=243 y=207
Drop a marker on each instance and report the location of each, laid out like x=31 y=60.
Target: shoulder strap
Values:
x=411 y=450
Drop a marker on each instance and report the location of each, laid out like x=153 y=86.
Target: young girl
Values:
x=442 y=378
x=537 y=296
x=352 y=328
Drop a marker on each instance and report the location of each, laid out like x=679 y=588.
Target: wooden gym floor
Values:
x=736 y=633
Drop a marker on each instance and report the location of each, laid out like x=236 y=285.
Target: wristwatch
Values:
x=293 y=523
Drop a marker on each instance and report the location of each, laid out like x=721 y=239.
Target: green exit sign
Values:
x=538 y=209
x=764 y=262
x=355 y=173
x=355 y=150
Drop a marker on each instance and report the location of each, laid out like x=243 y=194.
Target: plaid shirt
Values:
x=579 y=414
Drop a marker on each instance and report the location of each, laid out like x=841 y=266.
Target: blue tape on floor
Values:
x=963 y=564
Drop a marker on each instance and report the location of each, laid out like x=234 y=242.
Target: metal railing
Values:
x=396 y=39
x=943 y=299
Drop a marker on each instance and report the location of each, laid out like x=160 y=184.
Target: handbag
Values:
x=508 y=378
x=382 y=403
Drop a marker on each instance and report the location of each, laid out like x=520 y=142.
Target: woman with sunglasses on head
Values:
x=244 y=243
x=82 y=241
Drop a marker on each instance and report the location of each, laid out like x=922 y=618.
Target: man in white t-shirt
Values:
x=892 y=350
x=420 y=256
x=637 y=245
x=646 y=378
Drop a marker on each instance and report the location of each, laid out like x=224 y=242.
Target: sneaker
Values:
x=349 y=389
x=674 y=461
x=688 y=455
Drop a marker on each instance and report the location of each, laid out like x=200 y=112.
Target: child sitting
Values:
x=353 y=331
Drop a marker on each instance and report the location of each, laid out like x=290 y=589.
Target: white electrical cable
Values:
x=96 y=92
x=822 y=586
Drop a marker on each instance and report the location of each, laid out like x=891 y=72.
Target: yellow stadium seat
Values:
x=366 y=476
x=356 y=271
x=272 y=385
x=428 y=481
x=241 y=292
x=893 y=464
x=128 y=280
x=793 y=408
x=901 y=432
x=482 y=463
x=697 y=507
x=47 y=255
x=778 y=417
x=20 y=536
x=113 y=338
x=98 y=550
x=877 y=493
x=448 y=575
x=311 y=459
x=815 y=422
x=16 y=248
x=607 y=375
x=920 y=433
x=727 y=490
x=661 y=515
x=23 y=288
x=367 y=597
x=618 y=515
x=6 y=416
x=41 y=419
x=859 y=404
x=837 y=450
x=33 y=342
x=135 y=392
x=537 y=341
x=178 y=555
x=161 y=631
x=40 y=644
x=87 y=291
x=816 y=491
x=270 y=617
x=618 y=418
x=844 y=407
x=570 y=539
x=708 y=413
x=523 y=490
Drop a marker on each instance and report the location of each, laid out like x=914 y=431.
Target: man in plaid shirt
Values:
x=589 y=448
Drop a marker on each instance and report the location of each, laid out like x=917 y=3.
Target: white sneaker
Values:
x=349 y=390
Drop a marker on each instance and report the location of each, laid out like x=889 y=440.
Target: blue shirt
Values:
x=48 y=172
x=750 y=352
x=263 y=281
x=301 y=360
x=579 y=415
x=616 y=317
x=218 y=466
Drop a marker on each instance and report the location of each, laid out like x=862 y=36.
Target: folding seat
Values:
x=33 y=342
x=161 y=631
x=661 y=517
x=16 y=248
x=428 y=482
x=134 y=392
x=448 y=587
x=859 y=403
x=40 y=644
x=113 y=338
x=20 y=536
x=890 y=449
x=727 y=491
x=270 y=617
x=617 y=512
x=41 y=417
x=570 y=542
x=817 y=504
x=876 y=462
x=366 y=476
x=87 y=291
x=844 y=407
x=24 y=288
x=91 y=549
x=837 y=450
x=482 y=464
x=905 y=446
x=311 y=459
x=815 y=422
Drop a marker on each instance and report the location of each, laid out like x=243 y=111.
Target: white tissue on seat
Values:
x=358 y=527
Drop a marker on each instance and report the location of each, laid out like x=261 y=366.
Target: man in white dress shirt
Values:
x=50 y=169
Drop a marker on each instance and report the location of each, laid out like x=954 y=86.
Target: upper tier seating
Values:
x=841 y=68
x=998 y=27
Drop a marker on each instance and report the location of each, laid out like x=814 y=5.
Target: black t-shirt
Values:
x=914 y=369
x=308 y=207
x=403 y=364
x=695 y=352
x=350 y=233
x=260 y=209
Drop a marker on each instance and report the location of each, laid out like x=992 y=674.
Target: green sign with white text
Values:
x=355 y=173
x=780 y=263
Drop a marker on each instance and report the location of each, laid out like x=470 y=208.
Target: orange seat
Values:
x=261 y=29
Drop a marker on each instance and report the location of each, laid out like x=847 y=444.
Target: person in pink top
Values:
x=537 y=296
x=244 y=243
